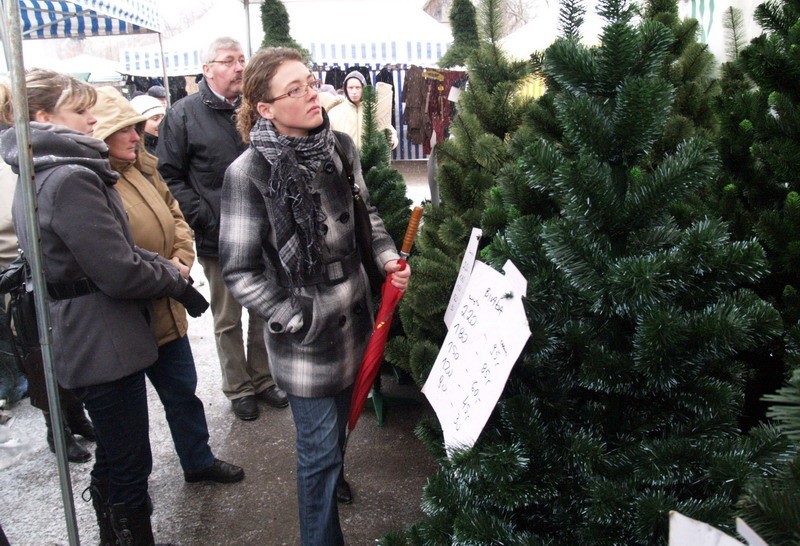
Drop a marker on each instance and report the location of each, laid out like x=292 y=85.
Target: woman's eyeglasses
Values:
x=299 y=91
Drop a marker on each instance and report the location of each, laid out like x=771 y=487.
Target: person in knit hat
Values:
x=348 y=116
x=159 y=226
x=154 y=109
x=158 y=92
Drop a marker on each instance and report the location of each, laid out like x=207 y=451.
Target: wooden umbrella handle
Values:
x=411 y=231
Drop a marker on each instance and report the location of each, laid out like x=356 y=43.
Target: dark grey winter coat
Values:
x=105 y=335
x=196 y=143
x=323 y=357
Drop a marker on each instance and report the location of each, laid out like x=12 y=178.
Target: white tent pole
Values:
x=12 y=38
x=247 y=27
x=164 y=70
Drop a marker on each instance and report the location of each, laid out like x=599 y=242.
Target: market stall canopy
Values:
x=183 y=53
x=86 y=67
x=333 y=31
x=83 y=18
x=539 y=33
x=543 y=29
x=378 y=31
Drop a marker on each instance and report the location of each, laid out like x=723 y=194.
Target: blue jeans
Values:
x=122 y=458
x=174 y=378
x=320 y=424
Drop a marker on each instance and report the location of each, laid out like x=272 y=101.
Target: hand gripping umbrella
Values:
x=373 y=355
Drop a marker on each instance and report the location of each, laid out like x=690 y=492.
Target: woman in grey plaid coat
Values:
x=288 y=252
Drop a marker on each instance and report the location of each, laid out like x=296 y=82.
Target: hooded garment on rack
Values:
x=385 y=76
x=415 y=115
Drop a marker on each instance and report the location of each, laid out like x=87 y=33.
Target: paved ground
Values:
x=386 y=466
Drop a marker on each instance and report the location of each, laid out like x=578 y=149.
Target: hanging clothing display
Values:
x=421 y=109
x=414 y=96
x=440 y=109
x=385 y=76
x=335 y=76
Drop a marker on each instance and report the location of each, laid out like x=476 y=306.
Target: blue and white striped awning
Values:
x=413 y=52
x=83 y=18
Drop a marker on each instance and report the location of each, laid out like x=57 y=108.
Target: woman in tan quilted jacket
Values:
x=159 y=226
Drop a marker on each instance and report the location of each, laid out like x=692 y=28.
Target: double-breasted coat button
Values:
x=344 y=217
x=342 y=320
x=329 y=167
x=357 y=308
x=324 y=229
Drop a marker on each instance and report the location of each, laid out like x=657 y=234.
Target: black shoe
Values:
x=343 y=493
x=76 y=453
x=220 y=472
x=245 y=408
x=274 y=397
x=75 y=417
x=84 y=428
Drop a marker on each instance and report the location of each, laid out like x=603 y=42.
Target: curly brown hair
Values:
x=256 y=79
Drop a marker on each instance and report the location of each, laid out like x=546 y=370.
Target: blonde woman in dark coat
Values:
x=288 y=252
x=99 y=287
x=74 y=416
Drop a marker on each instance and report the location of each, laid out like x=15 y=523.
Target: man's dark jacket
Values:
x=197 y=141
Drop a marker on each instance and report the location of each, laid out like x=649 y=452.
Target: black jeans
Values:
x=122 y=459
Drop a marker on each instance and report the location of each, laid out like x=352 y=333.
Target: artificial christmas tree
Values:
x=771 y=505
x=759 y=192
x=488 y=112
x=275 y=22
x=386 y=187
x=624 y=404
x=464 y=25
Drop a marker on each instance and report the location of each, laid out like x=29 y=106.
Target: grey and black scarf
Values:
x=296 y=210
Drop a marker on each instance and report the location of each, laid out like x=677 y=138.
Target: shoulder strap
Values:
x=348 y=167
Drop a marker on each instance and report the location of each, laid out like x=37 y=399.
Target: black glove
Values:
x=193 y=301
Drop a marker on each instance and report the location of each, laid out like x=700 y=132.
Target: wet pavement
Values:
x=387 y=467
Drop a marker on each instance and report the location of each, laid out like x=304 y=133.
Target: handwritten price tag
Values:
x=684 y=530
x=464 y=272
x=488 y=332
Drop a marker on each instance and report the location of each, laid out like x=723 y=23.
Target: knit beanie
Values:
x=357 y=75
x=148 y=106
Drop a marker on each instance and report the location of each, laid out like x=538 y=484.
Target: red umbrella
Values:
x=373 y=355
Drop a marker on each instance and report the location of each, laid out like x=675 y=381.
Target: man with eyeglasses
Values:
x=198 y=140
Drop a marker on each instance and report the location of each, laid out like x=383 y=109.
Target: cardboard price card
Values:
x=488 y=331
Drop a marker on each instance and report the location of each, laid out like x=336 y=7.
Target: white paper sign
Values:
x=685 y=531
x=454 y=94
x=488 y=333
x=749 y=535
x=463 y=275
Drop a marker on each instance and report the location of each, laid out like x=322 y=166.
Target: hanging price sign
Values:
x=467 y=262
x=487 y=334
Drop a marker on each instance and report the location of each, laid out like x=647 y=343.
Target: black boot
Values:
x=98 y=491
x=132 y=525
x=76 y=453
x=76 y=418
